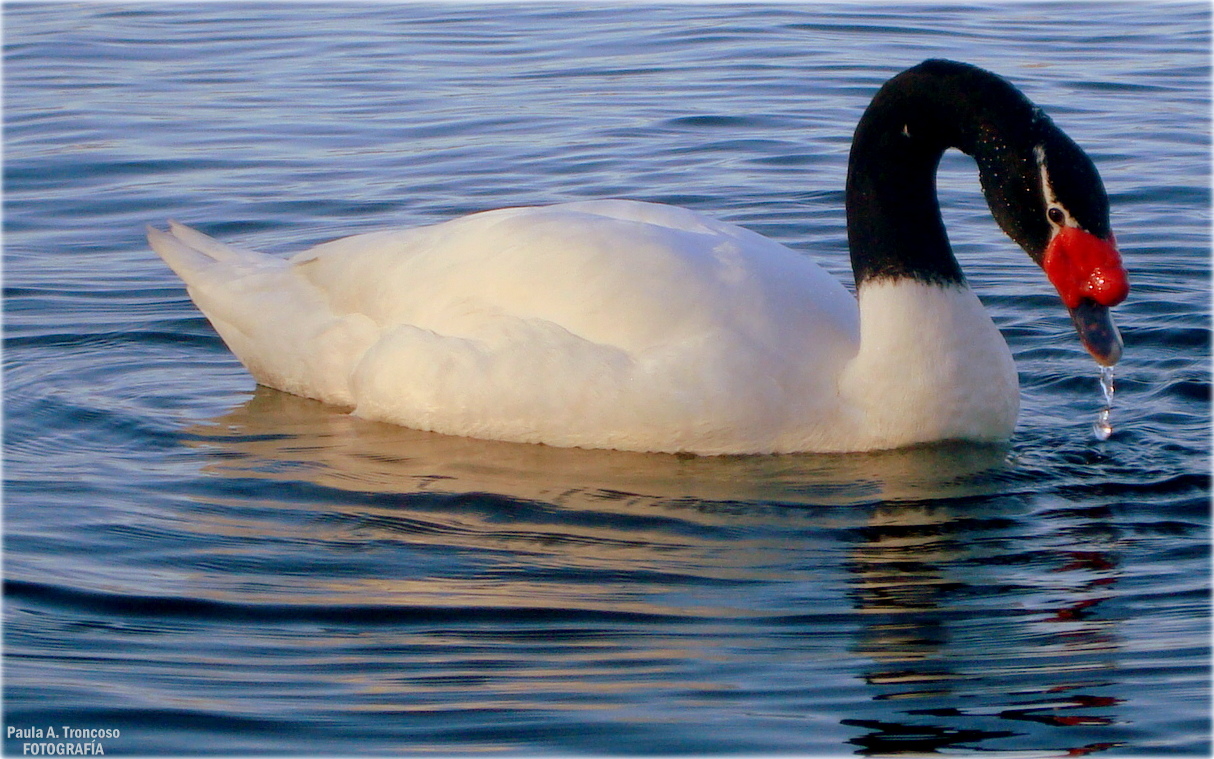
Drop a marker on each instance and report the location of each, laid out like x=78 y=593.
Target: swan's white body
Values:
x=607 y=324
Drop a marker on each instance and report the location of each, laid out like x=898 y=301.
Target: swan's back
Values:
x=599 y=324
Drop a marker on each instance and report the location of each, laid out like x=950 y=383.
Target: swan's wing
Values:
x=627 y=274
x=607 y=323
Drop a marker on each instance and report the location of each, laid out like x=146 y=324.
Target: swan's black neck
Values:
x=893 y=217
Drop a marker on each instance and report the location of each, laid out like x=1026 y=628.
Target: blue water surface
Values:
x=207 y=567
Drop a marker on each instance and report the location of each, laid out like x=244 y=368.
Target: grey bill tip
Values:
x=1097 y=331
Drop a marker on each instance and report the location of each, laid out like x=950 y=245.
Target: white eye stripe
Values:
x=1047 y=190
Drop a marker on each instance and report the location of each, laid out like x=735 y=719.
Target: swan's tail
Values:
x=277 y=323
x=193 y=255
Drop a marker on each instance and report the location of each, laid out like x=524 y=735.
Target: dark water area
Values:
x=202 y=566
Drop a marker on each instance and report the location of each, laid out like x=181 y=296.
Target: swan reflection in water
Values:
x=929 y=596
x=922 y=571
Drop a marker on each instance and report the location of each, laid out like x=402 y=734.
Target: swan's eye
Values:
x=1056 y=215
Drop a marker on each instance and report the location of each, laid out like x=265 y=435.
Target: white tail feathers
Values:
x=190 y=253
x=275 y=321
x=209 y=245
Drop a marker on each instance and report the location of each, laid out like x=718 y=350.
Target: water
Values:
x=207 y=567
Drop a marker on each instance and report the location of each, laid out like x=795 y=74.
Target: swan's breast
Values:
x=932 y=366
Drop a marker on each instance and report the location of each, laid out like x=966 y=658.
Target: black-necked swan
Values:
x=645 y=327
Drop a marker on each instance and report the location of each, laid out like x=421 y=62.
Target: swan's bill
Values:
x=1096 y=329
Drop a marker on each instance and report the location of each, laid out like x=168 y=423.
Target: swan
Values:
x=646 y=327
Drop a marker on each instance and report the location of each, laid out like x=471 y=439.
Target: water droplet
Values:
x=1102 y=428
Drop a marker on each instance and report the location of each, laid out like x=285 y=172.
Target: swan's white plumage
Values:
x=609 y=324
x=930 y=360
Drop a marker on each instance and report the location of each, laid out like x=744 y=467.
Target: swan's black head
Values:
x=1042 y=189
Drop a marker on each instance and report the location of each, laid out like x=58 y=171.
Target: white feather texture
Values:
x=931 y=366
x=605 y=324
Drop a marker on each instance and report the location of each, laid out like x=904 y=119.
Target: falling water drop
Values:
x=1102 y=428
